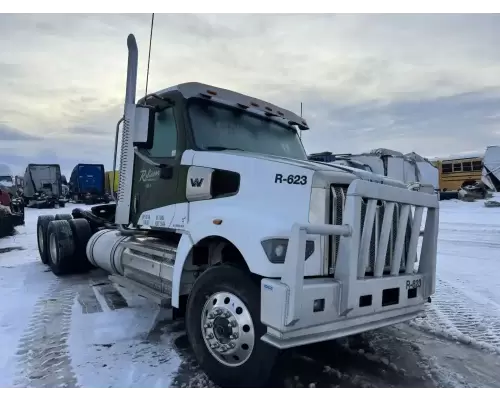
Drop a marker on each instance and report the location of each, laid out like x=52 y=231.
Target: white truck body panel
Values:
x=491 y=168
x=429 y=174
x=375 y=162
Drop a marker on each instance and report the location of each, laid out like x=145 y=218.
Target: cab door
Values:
x=154 y=186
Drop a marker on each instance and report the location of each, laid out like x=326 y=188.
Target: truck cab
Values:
x=220 y=213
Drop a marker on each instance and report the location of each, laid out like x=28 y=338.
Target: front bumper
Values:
x=300 y=311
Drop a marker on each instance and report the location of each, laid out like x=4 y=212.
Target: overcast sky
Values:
x=424 y=83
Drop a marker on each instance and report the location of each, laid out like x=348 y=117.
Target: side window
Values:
x=477 y=165
x=165 y=137
x=446 y=168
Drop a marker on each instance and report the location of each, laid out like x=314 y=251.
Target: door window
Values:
x=165 y=136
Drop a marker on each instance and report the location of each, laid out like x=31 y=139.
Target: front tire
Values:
x=224 y=328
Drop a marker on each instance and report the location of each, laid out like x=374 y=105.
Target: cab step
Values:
x=161 y=299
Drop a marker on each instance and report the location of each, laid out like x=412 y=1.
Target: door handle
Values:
x=166 y=172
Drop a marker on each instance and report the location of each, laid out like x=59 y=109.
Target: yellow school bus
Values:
x=112 y=187
x=455 y=173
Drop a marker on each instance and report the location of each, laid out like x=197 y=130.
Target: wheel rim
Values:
x=40 y=238
x=53 y=247
x=227 y=329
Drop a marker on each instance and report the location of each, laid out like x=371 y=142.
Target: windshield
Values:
x=217 y=127
x=6 y=180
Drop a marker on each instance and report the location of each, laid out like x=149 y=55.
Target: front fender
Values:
x=241 y=232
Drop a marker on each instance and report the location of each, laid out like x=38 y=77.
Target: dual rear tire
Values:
x=61 y=243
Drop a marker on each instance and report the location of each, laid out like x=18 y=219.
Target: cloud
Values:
x=9 y=133
x=428 y=83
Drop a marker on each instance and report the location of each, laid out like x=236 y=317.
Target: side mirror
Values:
x=144 y=127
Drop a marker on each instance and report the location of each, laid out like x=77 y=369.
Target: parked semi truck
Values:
x=87 y=184
x=11 y=203
x=42 y=186
x=204 y=225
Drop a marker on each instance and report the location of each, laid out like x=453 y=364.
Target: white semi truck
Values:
x=219 y=213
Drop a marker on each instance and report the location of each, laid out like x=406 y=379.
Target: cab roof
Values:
x=219 y=95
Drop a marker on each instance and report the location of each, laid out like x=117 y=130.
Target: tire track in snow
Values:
x=453 y=312
x=43 y=352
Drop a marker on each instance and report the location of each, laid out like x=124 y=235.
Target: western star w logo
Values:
x=196 y=182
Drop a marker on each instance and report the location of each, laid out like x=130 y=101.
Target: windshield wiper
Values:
x=220 y=148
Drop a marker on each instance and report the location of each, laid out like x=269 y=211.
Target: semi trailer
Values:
x=87 y=184
x=43 y=186
x=221 y=218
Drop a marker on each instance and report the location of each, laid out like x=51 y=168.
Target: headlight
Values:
x=275 y=249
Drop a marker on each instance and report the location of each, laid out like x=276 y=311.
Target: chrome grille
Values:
x=337 y=205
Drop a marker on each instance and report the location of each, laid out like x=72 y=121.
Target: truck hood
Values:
x=321 y=167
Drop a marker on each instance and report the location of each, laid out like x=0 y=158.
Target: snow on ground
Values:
x=53 y=331
x=466 y=306
x=79 y=331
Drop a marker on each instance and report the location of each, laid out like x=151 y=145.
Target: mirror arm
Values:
x=147 y=160
x=157 y=108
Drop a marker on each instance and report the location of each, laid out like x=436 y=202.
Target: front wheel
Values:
x=224 y=328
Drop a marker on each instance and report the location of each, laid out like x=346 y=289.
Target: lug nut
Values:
x=233 y=323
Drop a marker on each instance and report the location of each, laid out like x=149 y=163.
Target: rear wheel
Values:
x=224 y=328
x=61 y=246
x=81 y=234
x=41 y=229
x=60 y=217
